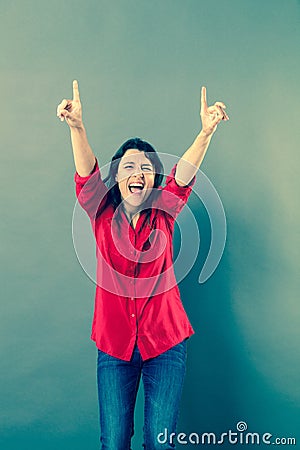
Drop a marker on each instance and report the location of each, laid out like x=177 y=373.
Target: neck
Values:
x=130 y=211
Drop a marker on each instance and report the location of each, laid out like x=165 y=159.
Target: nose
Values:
x=138 y=173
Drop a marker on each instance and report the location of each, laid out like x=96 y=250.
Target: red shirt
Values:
x=137 y=298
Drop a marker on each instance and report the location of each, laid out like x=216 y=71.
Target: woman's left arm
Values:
x=191 y=160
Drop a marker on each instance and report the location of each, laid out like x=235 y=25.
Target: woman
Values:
x=139 y=326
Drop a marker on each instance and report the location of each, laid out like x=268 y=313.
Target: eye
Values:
x=147 y=168
x=128 y=166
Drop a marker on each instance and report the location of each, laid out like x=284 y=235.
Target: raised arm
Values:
x=191 y=160
x=70 y=111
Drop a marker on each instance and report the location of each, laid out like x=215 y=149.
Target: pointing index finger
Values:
x=203 y=99
x=75 y=91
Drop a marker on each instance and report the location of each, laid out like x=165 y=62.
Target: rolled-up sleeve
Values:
x=90 y=191
x=173 y=197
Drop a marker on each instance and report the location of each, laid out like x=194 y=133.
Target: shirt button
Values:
x=132 y=315
x=131 y=298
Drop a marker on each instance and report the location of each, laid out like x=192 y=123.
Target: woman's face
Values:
x=135 y=178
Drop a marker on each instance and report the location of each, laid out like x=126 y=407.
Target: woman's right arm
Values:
x=90 y=189
x=70 y=111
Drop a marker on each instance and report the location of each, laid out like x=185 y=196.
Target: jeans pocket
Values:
x=103 y=357
x=178 y=353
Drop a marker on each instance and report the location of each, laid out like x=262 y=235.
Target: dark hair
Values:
x=114 y=196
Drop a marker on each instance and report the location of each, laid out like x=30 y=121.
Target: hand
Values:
x=70 y=110
x=211 y=116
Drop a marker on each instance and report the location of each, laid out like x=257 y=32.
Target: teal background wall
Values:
x=140 y=66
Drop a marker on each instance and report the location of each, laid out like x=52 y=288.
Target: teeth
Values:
x=136 y=186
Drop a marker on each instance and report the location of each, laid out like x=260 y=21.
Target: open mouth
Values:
x=136 y=187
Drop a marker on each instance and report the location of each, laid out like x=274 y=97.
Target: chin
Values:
x=135 y=203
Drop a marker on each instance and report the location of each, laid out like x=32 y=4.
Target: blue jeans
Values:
x=118 y=383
